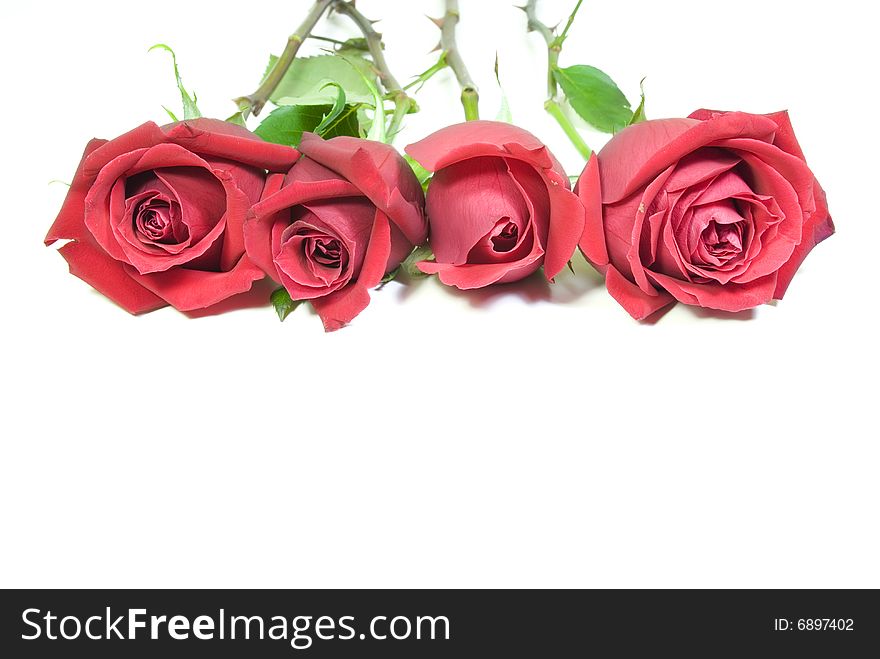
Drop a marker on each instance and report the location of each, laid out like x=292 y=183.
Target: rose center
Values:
x=153 y=221
x=723 y=241
x=326 y=251
x=505 y=235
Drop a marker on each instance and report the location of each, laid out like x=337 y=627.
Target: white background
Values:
x=521 y=436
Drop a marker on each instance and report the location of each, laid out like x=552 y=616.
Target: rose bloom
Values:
x=499 y=205
x=346 y=214
x=155 y=216
x=718 y=210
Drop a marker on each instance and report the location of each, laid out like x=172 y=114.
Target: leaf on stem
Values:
x=308 y=78
x=420 y=253
x=239 y=118
x=504 y=113
x=190 y=103
x=283 y=303
x=335 y=111
x=377 y=131
x=427 y=74
x=421 y=173
x=595 y=97
x=639 y=114
x=408 y=268
x=286 y=124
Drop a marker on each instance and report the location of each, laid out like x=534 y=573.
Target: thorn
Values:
x=571 y=267
x=436 y=21
x=437 y=48
x=524 y=8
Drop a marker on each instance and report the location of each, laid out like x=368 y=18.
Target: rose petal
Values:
x=465 y=201
x=257 y=230
x=108 y=276
x=478 y=275
x=567 y=217
x=200 y=195
x=69 y=224
x=733 y=297
x=212 y=137
x=637 y=154
x=378 y=252
x=142 y=137
x=189 y=290
x=340 y=308
x=589 y=191
x=473 y=139
x=817 y=227
x=380 y=173
x=633 y=299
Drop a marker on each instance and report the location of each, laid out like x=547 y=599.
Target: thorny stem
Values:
x=554 y=47
x=255 y=102
x=470 y=97
x=564 y=35
x=336 y=42
x=402 y=102
x=535 y=25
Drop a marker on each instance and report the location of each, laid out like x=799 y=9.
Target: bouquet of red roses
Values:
x=716 y=210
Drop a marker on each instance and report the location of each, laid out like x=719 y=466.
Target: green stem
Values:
x=423 y=77
x=555 y=110
x=574 y=12
x=402 y=102
x=471 y=103
x=470 y=97
x=402 y=106
x=554 y=47
x=255 y=102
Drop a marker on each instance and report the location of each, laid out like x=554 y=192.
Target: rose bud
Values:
x=499 y=205
x=718 y=210
x=155 y=216
x=346 y=214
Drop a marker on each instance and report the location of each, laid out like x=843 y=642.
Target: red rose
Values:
x=155 y=216
x=499 y=205
x=718 y=210
x=348 y=212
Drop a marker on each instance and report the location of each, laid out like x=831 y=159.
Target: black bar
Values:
x=499 y=623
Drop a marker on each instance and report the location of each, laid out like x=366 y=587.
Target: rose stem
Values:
x=554 y=47
x=402 y=102
x=255 y=102
x=470 y=98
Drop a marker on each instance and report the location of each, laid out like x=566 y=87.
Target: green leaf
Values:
x=286 y=124
x=345 y=124
x=595 y=97
x=377 y=130
x=355 y=44
x=170 y=114
x=239 y=117
x=306 y=81
x=420 y=253
x=421 y=173
x=190 y=106
x=335 y=111
x=408 y=267
x=639 y=114
x=504 y=113
x=389 y=276
x=283 y=303
x=428 y=73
